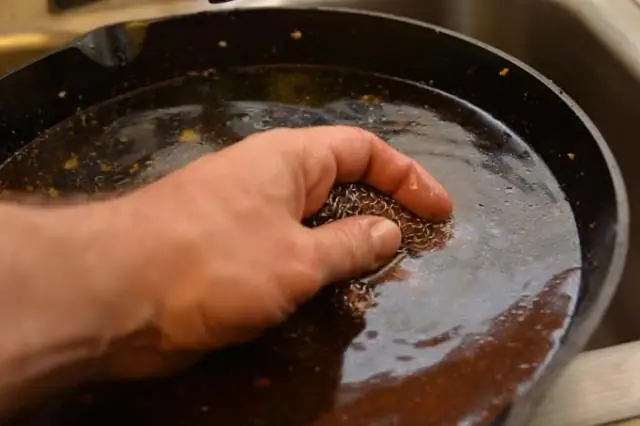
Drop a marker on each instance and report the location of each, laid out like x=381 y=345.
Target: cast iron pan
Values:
x=465 y=334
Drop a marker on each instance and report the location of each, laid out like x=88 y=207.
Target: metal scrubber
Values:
x=356 y=199
x=418 y=236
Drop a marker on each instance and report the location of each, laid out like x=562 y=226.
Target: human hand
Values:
x=215 y=252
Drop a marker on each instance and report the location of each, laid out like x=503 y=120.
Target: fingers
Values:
x=354 y=246
x=347 y=154
x=360 y=155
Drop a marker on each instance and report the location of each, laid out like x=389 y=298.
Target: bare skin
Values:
x=207 y=257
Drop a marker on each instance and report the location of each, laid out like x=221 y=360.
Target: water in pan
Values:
x=453 y=337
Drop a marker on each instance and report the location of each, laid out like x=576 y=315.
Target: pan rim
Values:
x=581 y=328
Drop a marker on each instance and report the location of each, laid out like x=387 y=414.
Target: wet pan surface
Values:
x=456 y=333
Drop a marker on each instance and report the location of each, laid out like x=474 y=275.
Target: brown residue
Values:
x=437 y=340
x=86 y=398
x=503 y=72
x=477 y=379
x=371 y=334
x=262 y=382
x=395 y=273
x=404 y=358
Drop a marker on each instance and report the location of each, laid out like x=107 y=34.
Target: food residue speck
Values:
x=371 y=99
x=104 y=167
x=71 y=163
x=189 y=136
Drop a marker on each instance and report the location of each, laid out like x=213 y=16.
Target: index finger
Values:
x=333 y=154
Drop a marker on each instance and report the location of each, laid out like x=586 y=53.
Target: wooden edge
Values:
x=597 y=388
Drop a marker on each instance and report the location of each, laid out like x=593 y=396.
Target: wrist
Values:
x=65 y=300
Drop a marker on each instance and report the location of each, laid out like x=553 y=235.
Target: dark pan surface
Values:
x=455 y=335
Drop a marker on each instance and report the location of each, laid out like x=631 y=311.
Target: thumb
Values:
x=354 y=246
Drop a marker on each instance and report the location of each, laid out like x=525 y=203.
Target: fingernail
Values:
x=386 y=238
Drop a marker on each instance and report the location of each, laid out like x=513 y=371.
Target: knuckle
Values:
x=301 y=274
x=303 y=261
x=278 y=135
x=354 y=135
x=355 y=241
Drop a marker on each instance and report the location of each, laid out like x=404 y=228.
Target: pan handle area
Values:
x=112 y=46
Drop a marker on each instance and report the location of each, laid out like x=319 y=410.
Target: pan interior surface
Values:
x=454 y=337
